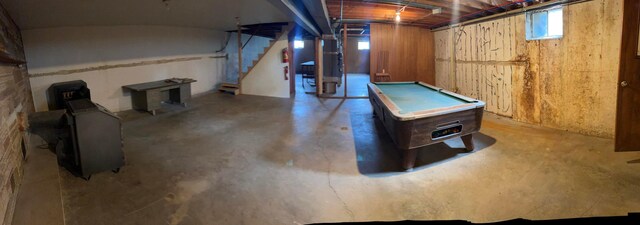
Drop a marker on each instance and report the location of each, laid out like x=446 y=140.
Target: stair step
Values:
x=264 y=51
x=230 y=85
x=234 y=91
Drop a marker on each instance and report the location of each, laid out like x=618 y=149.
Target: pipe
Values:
x=404 y=3
x=365 y=21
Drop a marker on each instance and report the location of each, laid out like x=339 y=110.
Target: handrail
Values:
x=254 y=33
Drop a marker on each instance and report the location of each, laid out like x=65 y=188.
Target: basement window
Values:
x=298 y=44
x=544 y=24
x=363 y=45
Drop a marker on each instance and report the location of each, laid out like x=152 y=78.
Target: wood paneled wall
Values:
x=357 y=60
x=410 y=52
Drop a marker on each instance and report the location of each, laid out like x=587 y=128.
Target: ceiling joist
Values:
x=424 y=13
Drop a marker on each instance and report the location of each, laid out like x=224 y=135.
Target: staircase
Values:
x=230 y=88
x=274 y=31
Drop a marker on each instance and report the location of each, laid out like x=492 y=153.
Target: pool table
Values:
x=416 y=114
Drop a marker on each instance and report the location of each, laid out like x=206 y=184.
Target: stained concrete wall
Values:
x=267 y=78
x=110 y=57
x=568 y=83
x=15 y=104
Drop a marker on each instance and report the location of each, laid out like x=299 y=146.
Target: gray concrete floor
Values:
x=257 y=160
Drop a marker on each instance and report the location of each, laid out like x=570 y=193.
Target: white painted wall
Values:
x=73 y=48
x=267 y=77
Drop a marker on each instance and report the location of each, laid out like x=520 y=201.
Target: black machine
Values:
x=59 y=93
x=86 y=137
x=92 y=141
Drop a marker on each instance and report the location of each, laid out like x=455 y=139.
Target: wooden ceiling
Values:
x=420 y=12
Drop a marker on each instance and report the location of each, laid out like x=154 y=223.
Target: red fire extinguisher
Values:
x=286 y=72
x=285 y=55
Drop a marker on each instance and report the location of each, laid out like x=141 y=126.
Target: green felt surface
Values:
x=411 y=97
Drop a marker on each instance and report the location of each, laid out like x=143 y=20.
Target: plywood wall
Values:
x=357 y=60
x=567 y=83
x=410 y=51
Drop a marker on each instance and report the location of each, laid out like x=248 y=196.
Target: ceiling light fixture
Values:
x=398 y=13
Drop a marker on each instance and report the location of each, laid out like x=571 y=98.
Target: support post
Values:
x=344 y=57
x=452 y=61
x=319 y=66
x=239 y=54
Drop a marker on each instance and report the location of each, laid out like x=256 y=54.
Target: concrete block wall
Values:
x=568 y=83
x=109 y=57
x=15 y=104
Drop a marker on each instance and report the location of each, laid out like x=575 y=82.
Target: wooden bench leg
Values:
x=409 y=159
x=468 y=142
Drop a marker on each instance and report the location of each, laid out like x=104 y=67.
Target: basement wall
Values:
x=267 y=78
x=15 y=104
x=357 y=60
x=304 y=55
x=568 y=83
x=409 y=51
x=110 y=57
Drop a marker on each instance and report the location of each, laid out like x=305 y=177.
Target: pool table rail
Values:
x=395 y=110
x=411 y=131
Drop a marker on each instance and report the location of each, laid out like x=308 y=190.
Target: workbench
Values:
x=149 y=96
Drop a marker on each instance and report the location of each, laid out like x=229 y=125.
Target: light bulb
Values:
x=397 y=16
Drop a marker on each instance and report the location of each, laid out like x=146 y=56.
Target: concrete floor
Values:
x=256 y=160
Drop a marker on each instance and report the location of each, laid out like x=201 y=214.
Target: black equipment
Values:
x=59 y=93
x=92 y=141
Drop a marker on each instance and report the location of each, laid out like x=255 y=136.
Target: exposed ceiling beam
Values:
x=318 y=10
x=299 y=16
x=424 y=13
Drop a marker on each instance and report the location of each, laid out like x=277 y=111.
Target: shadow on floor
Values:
x=377 y=155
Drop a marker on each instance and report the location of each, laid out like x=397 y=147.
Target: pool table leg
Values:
x=409 y=159
x=468 y=142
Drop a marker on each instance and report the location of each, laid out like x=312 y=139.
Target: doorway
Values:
x=302 y=47
x=628 y=111
x=346 y=62
x=357 y=60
